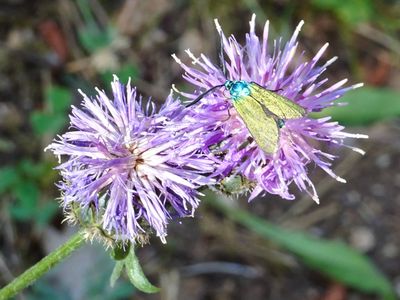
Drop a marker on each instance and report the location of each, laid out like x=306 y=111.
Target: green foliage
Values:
x=93 y=38
x=27 y=197
x=98 y=288
x=365 y=106
x=54 y=116
x=134 y=272
x=92 y=285
x=349 y=12
x=23 y=181
x=8 y=178
x=332 y=258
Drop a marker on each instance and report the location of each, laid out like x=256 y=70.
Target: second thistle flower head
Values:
x=230 y=128
x=129 y=168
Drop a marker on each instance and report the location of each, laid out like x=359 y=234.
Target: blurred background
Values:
x=49 y=49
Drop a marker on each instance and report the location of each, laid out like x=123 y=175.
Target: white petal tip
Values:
x=358 y=85
x=219 y=29
x=298 y=28
x=333 y=59
x=316 y=199
x=81 y=92
x=191 y=55
x=340 y=179
x=176 y=58
x=174 y=88
x=358 y=150
x=252 y=21
x=361 y=136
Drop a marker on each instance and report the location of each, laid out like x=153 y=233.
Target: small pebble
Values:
x=353 y=197
x=362 y=238
x=390 y=250
x=383 y=161
x=378 y=189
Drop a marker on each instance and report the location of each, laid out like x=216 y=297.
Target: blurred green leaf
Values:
x=93 y=38
x=59 y=99
x=29 y=169
x=54 y=116
x=27 y=196
x=26 y=167
x=8 y=178
x=42 y=172
x=43 y=123
x=332 y=258
x=46 y=212
x=91 y=35
x=350 y=12
x=365 y=106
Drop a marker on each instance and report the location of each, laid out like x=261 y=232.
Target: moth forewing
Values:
x=262 y=127
x=279 y=105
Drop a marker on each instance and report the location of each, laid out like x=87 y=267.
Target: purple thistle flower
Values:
x=135 y=168
x=282 y=71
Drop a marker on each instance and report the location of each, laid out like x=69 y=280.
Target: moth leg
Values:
x=229 y=115
x=274 y=91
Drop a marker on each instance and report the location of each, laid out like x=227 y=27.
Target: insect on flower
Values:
x=268 y=91
x=263 y=111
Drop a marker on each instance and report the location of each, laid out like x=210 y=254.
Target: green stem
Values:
x=42 y=267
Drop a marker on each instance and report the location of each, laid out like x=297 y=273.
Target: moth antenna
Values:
x=201 y=96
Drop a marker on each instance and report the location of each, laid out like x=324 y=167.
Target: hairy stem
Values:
x=42 y=267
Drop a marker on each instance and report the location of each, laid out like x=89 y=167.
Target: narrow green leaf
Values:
x=136 y=275
x=116 y=273
x=93 y=38
x=332 y=258
x=365 y=106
